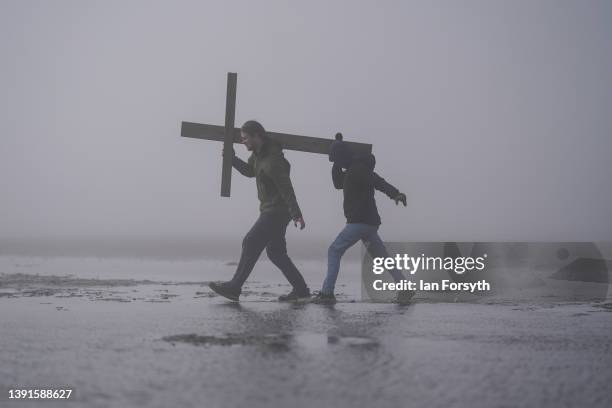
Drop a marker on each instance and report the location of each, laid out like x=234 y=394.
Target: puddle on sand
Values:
x=280 y=342
x=276 y=342
x=350 y=341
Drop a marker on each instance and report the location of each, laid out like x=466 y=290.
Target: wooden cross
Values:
x=229 y=135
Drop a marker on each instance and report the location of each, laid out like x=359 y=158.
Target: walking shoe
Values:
x=225 y=289
x=295 y=296
x=324 y=299
x=404 y=296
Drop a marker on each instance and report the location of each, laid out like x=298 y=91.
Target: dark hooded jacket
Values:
x=359 y=182
x=271 y=171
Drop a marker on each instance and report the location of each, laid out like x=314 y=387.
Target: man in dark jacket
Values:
x=278 y=206
x=358 y=183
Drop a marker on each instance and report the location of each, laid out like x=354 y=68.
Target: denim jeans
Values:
x=268 y=232
x=352 y=233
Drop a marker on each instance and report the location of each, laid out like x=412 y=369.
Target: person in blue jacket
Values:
x=354 y=174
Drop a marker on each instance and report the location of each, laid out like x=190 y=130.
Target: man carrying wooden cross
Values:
x=278 y=206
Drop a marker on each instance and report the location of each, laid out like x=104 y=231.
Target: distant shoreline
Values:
x=169 y=248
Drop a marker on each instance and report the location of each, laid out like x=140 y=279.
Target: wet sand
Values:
x=125 y=333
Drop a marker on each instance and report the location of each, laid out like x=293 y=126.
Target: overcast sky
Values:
x=495 y=118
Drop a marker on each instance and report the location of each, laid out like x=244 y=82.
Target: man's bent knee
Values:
x=335 y=249
x=249 y=240
x=276 y=255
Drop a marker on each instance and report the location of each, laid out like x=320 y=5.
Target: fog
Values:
x=493 y=117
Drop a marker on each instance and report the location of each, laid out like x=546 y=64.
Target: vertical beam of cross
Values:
x=228 y=137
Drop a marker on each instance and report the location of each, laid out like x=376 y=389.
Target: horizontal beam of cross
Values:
x=289 y=142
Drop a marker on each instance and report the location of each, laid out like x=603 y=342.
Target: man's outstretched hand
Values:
x=299 y=220
x=400 y=198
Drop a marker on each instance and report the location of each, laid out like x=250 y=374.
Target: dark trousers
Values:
x=268 y=232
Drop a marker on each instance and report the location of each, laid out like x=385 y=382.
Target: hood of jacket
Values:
x=366 y=159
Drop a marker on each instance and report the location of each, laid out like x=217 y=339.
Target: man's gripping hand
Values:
x=400 y=198
x=299 y=220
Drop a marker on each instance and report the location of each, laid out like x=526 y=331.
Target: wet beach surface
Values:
x=149 y=333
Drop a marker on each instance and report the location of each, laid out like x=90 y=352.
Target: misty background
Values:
x=494 y=117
